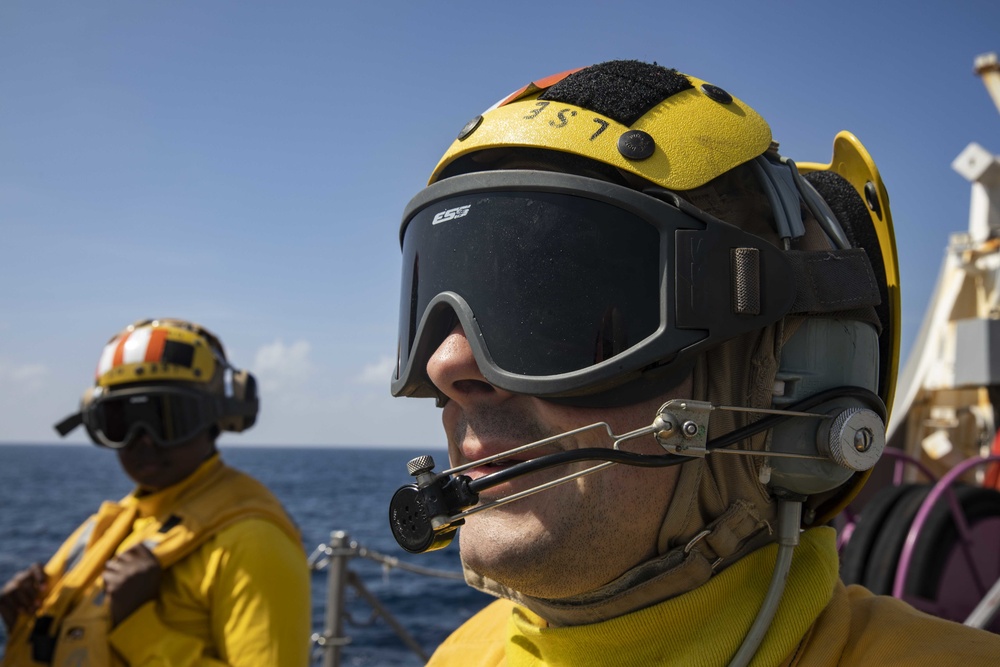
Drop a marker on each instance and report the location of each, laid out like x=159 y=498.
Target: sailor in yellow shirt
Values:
x=697 y=337
x=200 y=564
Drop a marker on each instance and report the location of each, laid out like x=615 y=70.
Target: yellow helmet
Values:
x=694 y=132
x=164 y=350
x=557 y=151
x=168 y=376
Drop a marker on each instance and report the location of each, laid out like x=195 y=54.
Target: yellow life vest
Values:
x=71 y=627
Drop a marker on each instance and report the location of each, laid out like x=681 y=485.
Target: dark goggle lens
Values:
x=558 y=283
x=170 y=418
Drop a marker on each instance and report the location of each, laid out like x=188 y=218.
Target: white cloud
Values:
x=281 y=367
x=377 y=373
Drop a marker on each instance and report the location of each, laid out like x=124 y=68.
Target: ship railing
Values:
x=335 y=558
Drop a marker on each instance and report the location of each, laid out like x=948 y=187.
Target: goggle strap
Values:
x=765 y=283
x=746 y=280
x=830 y=281
x=69 y=423
x=759 y=288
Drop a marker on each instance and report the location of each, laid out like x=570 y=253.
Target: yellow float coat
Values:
x=235 y=586
x=819 y=623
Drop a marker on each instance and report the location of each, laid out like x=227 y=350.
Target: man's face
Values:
x=569 y=539
x=153 y=467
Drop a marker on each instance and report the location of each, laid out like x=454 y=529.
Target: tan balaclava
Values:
x=720 y=509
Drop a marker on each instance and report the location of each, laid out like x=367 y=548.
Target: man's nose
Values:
x=454 y=371
x=141 y=439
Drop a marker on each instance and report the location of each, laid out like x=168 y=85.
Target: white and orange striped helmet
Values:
x=168 y=355
x=166 y=350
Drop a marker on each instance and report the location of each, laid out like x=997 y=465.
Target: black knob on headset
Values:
x=420 y=465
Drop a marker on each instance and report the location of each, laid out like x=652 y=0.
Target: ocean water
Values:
x=48 y=490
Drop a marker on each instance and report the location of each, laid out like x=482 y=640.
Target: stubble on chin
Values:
x=512 y=425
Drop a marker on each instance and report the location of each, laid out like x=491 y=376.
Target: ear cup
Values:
x=823 y=353
x=242 y=405
x=853 y=215
x=249 y=383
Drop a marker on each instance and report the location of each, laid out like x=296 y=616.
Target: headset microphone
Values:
x=419 y=513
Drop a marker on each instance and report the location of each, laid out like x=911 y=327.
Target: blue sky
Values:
x=245 y=164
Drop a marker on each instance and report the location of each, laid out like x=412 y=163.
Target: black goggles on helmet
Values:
x=170 y=415
x=567 y=286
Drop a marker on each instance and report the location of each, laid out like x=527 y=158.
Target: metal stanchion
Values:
x=334 y=557
x=332 y=638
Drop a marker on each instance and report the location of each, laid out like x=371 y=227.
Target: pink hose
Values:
x=925 y=509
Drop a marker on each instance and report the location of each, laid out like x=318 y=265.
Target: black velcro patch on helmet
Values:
x=180 y=354
x=622 y=90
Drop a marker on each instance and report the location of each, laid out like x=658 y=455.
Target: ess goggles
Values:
x=170 y=415
x=567 y=286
